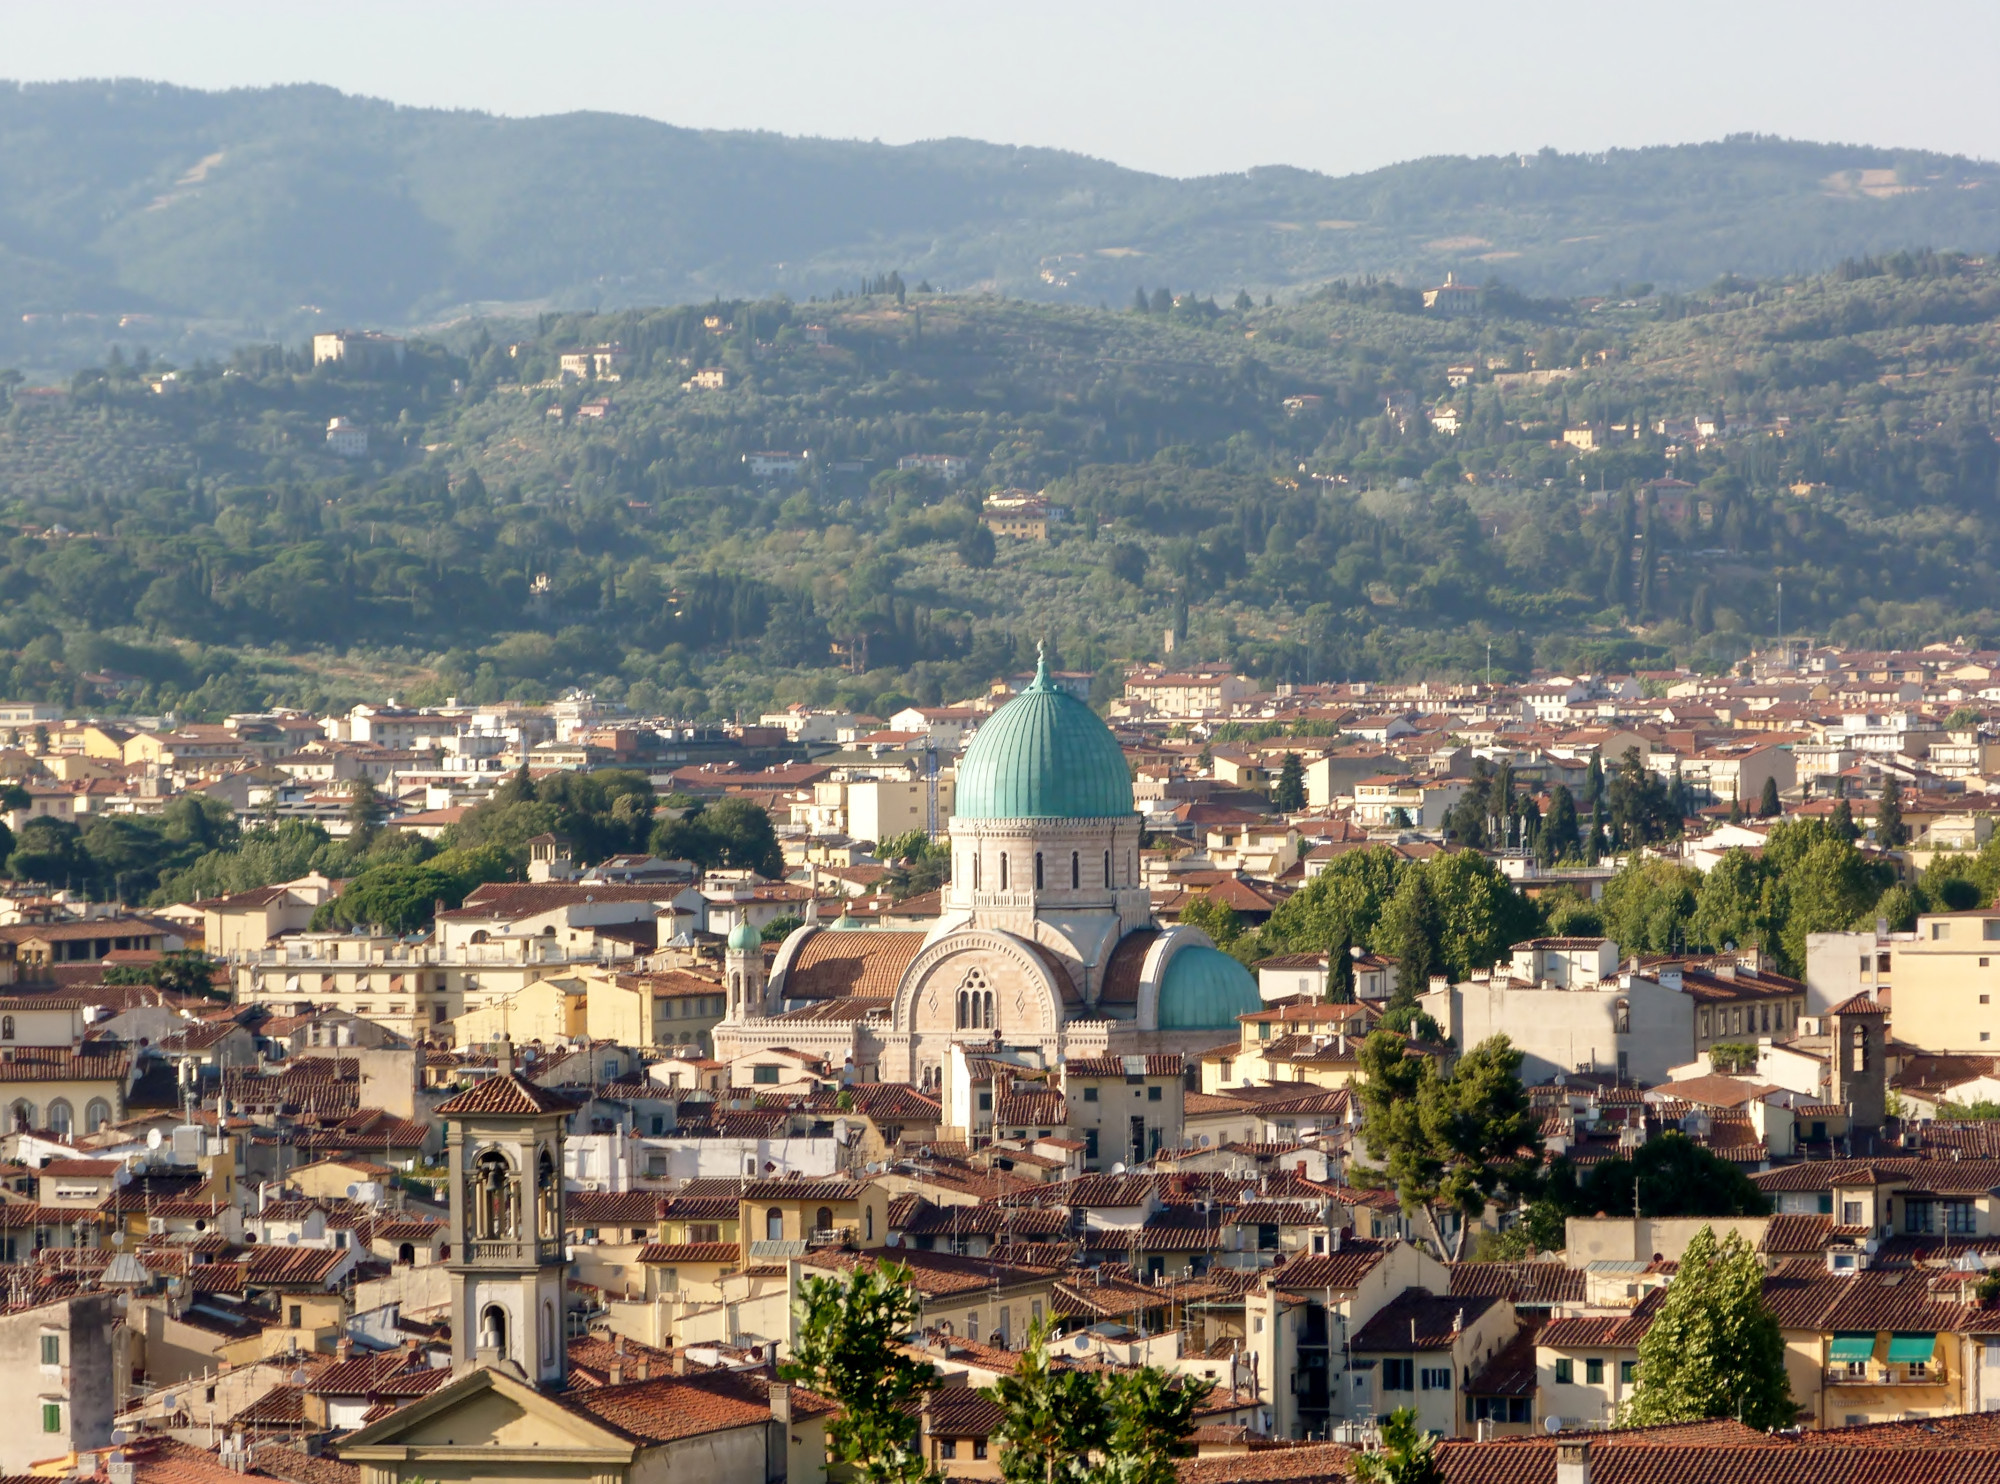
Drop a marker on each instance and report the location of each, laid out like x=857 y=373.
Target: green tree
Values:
x=1890 y=831
x=1768 y=804
x=1407 y=1455
x=1647 y=906
x=365 y=811
x=1290 y=793
x=1817 y=883
x=1217 y=919
x=1408 y=932
x=1152 y=1418
x=1340 y=906
x=1447 y=1144
x=1672 y=1176
x=1714 y=1348
x=732 y=832
x=1561 y=836
x=1479 y=914
x=1729 y=906
x=851 y=1329
x=1053 y=1418
x=976 y=548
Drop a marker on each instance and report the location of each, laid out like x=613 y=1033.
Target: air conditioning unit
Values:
x=156 y=1226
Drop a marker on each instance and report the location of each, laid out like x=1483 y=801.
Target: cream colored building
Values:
x=1945 y=976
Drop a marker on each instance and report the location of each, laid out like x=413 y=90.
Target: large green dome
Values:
x=1205 y=990
x=1043 y=755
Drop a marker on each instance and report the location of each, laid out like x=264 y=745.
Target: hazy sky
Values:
x=1183 y=89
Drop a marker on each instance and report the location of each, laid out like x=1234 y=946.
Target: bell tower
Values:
x=743 y=967
x=505 y=1136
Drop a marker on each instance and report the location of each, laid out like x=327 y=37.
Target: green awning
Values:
x=1851 y=1347
x=1908 y=1349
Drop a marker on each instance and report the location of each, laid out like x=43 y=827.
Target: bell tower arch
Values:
x=504 y=1138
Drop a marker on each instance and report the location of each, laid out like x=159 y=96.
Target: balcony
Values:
x=513 y=1254
x=1885 y=1376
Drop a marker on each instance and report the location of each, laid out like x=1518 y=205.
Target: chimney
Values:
x=615 y=1376
x=343 y=1348
x=680 y=1362
x=642 y=1369
x=781 y=1402
x=1573 y=1461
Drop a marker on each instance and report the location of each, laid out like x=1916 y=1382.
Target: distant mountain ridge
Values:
x=268 y=211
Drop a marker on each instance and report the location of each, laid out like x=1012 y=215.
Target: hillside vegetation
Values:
x=137 y=212
x=1267 y=481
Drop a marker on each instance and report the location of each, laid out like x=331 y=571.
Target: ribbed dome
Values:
x=1205 y=990
x=1043 y=755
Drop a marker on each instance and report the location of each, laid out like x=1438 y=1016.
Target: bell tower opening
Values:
x=505 y=1260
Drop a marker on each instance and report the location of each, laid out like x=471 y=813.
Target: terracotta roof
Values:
x=611 y=1208
x=92 y=1062
x=1417 y=1319
x=1859 y=1004
x=664 y=1408
x=1157 y=1064
x=1032 y=1106
x=838 y=965
x=1337 y=1270
x=695 y=1252
x=508 y=1096
x=1119 y=984
x=1520 y=1283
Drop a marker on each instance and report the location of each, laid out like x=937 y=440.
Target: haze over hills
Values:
x=266 y=212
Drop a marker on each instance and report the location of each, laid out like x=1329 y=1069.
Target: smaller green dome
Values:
x=743 y=938
x=847 y=922
x=1205 y=990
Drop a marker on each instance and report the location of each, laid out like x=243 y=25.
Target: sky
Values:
x=1177 y=88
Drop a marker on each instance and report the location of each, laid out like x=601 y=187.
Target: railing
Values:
x=523 y=1253
x=1883 y=1376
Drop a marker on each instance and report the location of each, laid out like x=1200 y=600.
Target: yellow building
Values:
x=1313 y=1041
x=548 y=1011
x=672 y=1008
x=1946 y=978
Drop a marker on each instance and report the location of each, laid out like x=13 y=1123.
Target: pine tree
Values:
x=1841 y=821
x=1290 y=794
x=1409 y=934
x=1714 y=1349
x=1139 y=305
x=1768 y=806
x=1889 y=828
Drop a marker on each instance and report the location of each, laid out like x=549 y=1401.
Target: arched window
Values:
x=964 y=1008
x=975 y=868
x=406 y=1254
x=1075 y=870
x=548 y=1198
x=548 y=1333
x=6 y=1027
x=1778 y=1020
x=480 y=936
x=1107 y=870
x=60 y=1116
x=1860 y=1061
x=1003 y=870
x=823 y=1219
x=493 y=1330
x=96 y=1115
x=1038 y=870
x=495 y=1196
x=774 y=1225
x=868 y=1223
x=22 y=1113
x=1623 y=1018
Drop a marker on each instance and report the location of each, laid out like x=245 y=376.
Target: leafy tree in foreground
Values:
x=1714 y=1348
x=850 y=1331
x=1061 y=1423
x=1448 y=1144
x=1408 y=1455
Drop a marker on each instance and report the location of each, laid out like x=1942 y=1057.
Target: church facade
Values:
x=1046 y=948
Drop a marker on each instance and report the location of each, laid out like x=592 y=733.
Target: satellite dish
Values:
x=153 y=1138
x=1553 y=1424
x=1119 y=1168
x=354 y=1192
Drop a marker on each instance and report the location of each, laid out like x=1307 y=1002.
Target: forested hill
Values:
x=1304 y=490
x=136 y=212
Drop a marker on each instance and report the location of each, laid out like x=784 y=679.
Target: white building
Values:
x=346 y=440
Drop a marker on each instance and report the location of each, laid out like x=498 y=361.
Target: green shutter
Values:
x=1909 y=1349
x=1851 y=1347
x=51 y=1416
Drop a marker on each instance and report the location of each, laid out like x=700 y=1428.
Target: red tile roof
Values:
x=508 y=1096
